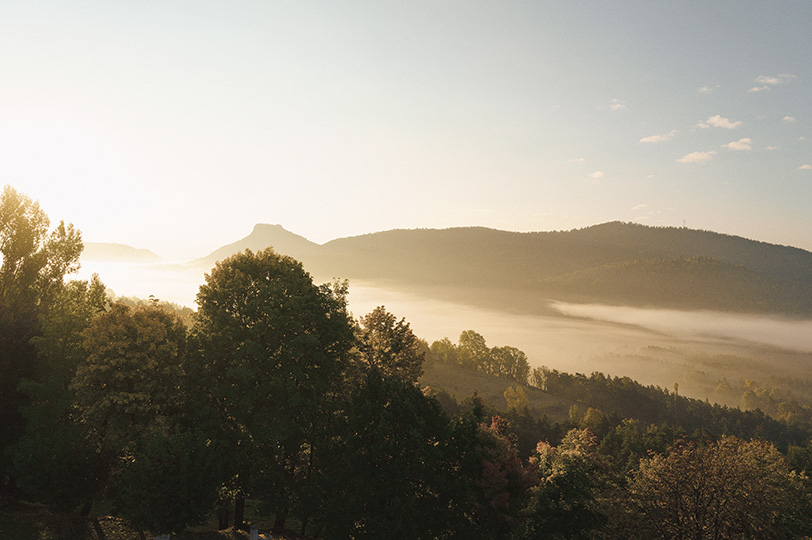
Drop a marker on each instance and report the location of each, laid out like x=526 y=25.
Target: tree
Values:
x=473 y=351
x=273 y=348
x=392 y=472
x=390 y=345
x=54 y=463
x=496 y=479
x=168 y=480
x=724 y=489
x=516 y=399
x=564 y=504
x=444 y=351
x=132 y=374
x=34 y=263
x=510 y=362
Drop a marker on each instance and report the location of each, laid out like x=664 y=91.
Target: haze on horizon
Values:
x=177 y=127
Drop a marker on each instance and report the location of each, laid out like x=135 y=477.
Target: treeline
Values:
x=686 y=283
x=626 y=398
x=276 y=394
x=472 y=352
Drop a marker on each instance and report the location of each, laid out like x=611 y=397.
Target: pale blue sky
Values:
x=176 y=126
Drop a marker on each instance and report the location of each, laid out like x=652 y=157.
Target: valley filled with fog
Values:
x=699 y=350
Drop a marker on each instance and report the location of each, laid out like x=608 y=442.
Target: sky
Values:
x=177 y=125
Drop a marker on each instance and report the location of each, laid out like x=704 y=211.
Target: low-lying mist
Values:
x=696 y=349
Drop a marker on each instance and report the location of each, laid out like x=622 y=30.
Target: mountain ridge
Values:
x=613 y=262
x=114 y=252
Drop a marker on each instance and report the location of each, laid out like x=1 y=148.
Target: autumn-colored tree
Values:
x=497 y=480
x=725 y=489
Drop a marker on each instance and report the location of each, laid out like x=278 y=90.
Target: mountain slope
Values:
x=263 y=236
x=109 y=252
x=615 y=262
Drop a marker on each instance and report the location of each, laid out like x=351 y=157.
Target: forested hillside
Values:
x=618 y=263
x=272 y=397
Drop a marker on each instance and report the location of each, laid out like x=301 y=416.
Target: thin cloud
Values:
x=659 y=138
x=767 y=82
x=617 y=105
x=789 y=120
x=707 y=89
x=597 y=175
x=805 y=167
x=741 y=144
x=772 y=148
x=697 y=157
x=721 y=122
x=639 y=207
x=576 y=160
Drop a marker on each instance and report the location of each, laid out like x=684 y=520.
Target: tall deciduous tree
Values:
x=392 y=472
x=54 y=462
x=160 y=470
x=390 y=345
x=473 y=351
x=34 y=263
x=132 y=374
x=274 y=347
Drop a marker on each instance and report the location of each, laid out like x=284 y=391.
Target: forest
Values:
x=270 y=401
x=612 y=263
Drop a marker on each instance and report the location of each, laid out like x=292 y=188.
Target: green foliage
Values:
x=516 y=398
x=132 y=374
x=473 y=353
x=565 y=503
x=55 y=465
x=392 y=473
x=625 y=398
x=168 y=480
x=34 y=264
x=390 y=345
x=34 y=261
x=272 y=351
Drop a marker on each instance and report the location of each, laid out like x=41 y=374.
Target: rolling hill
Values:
x=110 y=252
x=618 y=263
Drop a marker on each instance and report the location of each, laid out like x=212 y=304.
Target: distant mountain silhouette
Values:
x=615 y=262
x=110 y=252
x=263 y=236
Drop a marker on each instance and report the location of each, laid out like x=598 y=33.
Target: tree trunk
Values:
x=304 y=527
x=85 y=511
x=239 y=513
x=279 y=522
x=97 y=528
x=223 y=514
x=65 y=526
